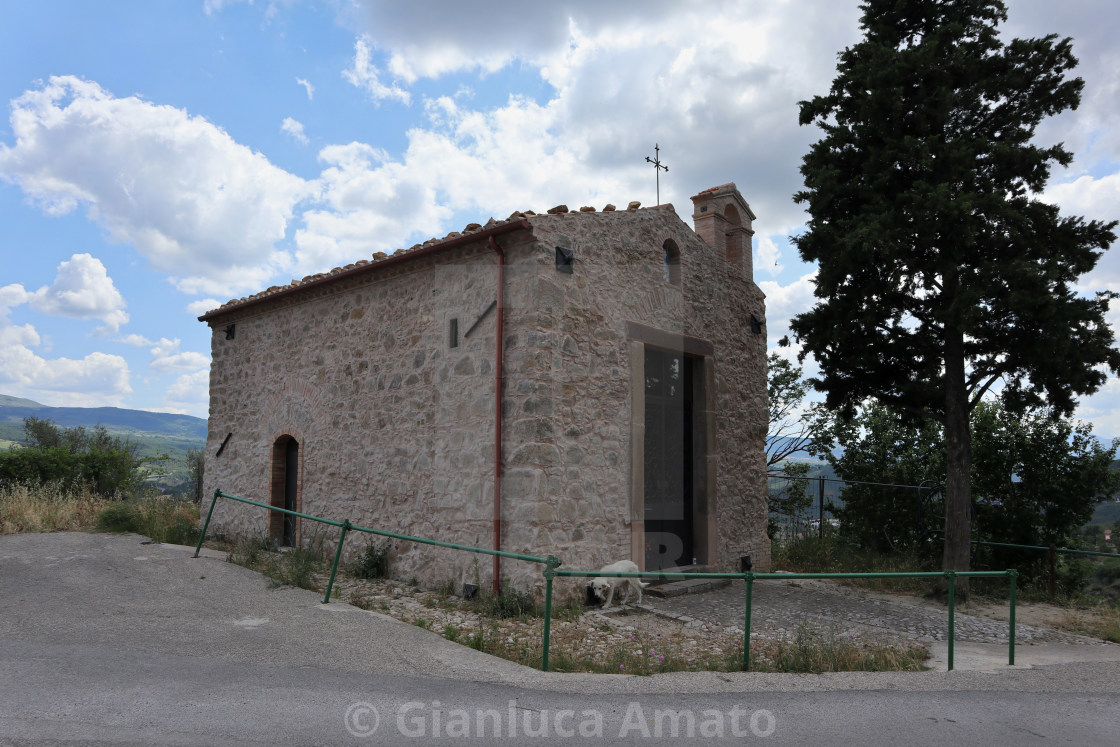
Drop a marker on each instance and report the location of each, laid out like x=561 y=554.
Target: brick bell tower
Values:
x=723 y=220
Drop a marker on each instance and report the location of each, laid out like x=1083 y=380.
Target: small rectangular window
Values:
x=565 y=259
x=453 y=333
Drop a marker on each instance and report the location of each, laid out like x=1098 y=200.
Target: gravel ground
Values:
x=778 y=607
x=600 y=635
x=695 y=629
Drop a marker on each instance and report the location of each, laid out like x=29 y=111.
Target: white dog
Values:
x=605 y=588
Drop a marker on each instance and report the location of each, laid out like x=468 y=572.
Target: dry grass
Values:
x=1098 y=622
x=47 y=508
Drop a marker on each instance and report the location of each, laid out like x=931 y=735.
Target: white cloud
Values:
x=785 y=301
x=189 y=392
x=97 y=379
x=210 y=7
x=769 y=257
x=295 y=129
x=430 y=39
x=307 y=87
x=1103 y=410
x=138 y=341
x=166 y=357
x=198 y=308
x=12 y=295
x=1093 y=198
x=82 y=289
x=620 y=80
x=201 y=207
x=364 y=74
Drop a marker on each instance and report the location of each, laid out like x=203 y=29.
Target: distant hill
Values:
x=115 y=419
x=9 y=401
x=1106 y=513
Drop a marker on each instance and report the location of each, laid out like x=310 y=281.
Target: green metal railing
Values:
x=346 y=526
x=1066 y=550
x=1053 y=554
x=551 y=565
x=749 y=578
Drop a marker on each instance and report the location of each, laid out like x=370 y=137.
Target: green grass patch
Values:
x=813 y=651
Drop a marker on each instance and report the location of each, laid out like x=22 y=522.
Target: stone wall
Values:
x=572 y=358
x=395 y=427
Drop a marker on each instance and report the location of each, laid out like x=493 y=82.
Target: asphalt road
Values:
x=106 y=640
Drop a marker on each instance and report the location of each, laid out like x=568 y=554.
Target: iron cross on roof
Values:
x=656 y=161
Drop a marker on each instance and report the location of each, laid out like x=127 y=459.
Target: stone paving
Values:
x=780 y=607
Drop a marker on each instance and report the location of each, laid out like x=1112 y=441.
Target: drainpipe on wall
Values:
x=499 y=355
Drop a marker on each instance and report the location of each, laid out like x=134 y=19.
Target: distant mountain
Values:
x=115 y=419
x=9 y=401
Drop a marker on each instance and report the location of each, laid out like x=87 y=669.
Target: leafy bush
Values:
x=250 y=551
x=509 y=603
x=160 y=519
x=374 y=561
x=169 y=520
x=73 y=457
x=298 y=565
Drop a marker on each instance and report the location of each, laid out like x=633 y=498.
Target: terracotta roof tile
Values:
x=378 y=256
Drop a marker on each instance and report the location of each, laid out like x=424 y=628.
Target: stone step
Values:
x=680 y=587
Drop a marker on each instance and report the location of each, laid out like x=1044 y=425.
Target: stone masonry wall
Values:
x=568 y=382
x=395 y=427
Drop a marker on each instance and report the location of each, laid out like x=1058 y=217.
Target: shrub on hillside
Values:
x=75 y=458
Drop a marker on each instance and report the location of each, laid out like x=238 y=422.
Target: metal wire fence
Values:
x=552 y=564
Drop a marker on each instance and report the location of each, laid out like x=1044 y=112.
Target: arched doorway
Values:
x=285 y=492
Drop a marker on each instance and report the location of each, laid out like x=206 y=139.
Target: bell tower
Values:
x=723 y=220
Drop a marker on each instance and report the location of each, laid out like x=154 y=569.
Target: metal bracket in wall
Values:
x=491 y=307
x=223 y=446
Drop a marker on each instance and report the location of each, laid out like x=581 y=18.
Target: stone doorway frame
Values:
x=705 y=457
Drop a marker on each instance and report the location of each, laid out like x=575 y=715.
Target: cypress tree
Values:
x=941 y=272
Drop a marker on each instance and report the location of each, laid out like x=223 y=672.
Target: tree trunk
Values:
x=958 y=445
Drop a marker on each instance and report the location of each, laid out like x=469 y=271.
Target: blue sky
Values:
x=158 y=159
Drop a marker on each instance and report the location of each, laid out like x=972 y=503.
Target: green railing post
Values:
x=551 y=563
x=205 y=524
x=952 y=577
x=337 y=557
x=749 y=578
x=1014 y=574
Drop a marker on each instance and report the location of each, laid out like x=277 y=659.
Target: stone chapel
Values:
x=586 y=383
